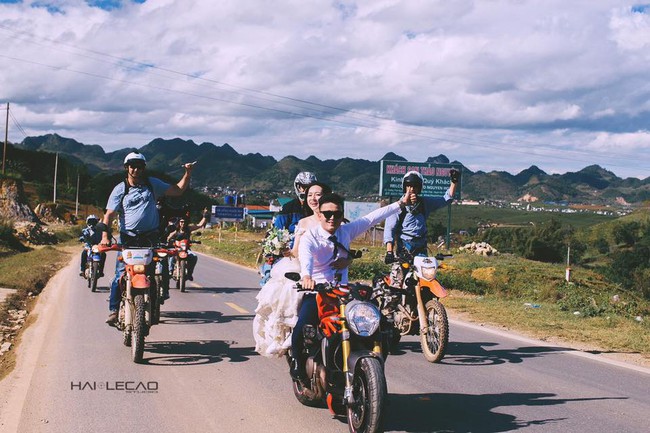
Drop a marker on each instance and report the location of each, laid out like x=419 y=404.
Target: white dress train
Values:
x=277 y=310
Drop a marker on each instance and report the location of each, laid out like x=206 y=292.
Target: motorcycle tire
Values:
x=182 y=279
x=94 y=273
x=435 y=340
x=138 y=332
x=155 y=309
x=366 y=414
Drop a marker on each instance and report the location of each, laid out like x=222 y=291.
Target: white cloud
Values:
x=496 y=85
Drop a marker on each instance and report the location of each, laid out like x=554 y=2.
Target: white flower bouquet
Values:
x=276 y=241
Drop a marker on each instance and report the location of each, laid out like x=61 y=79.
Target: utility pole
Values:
x=76 y=205
x=56 y=168
x=4 y=153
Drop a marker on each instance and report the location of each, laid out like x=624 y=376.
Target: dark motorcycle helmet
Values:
x=414 y=179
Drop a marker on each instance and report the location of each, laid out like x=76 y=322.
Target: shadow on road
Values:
x=199 y=317
x=478 y=353
x=469 y=413
x=177 y=353
x=222 y=290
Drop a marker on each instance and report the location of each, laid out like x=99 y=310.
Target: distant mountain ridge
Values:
x=224 y=166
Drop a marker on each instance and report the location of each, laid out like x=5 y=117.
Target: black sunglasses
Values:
x=328 y=214
x=137 y=165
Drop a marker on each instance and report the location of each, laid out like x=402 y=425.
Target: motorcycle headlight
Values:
x=138 y=269
x=363 y=318
x=95 y=249
x=161 y=254
x=429 y=273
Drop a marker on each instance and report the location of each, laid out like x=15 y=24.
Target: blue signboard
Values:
x=436 y=177
x=227 y=213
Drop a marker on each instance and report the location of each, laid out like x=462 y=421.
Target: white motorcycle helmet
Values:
x=92 y=220
x=303 y=179
x=133 y=157
x=414 y=179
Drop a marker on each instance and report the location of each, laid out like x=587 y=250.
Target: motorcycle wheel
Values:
x=369 y=393
x=434 y=341
x=155 y=310
x=181 y=275
x=94 y=272
x=139 y=324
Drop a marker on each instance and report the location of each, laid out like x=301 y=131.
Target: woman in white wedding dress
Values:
x=278 y=300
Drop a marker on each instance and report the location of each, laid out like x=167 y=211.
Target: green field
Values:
x=470 y=217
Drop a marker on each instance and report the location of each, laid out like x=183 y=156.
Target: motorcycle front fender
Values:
x=434 y=287
x=357 y=355
x=140 y=281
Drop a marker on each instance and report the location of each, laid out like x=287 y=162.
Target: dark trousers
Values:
x=308 y=315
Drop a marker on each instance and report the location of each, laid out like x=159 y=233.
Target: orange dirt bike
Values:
x=139 y=305
x=409 y=297
x=182 y=256
x=344 y=360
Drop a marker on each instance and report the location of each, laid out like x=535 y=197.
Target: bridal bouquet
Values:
x=276 y=241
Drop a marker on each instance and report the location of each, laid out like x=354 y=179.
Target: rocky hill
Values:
x=224 y=166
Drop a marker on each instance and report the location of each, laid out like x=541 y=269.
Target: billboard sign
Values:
x=226 y=213
x=356 y=209
x=436 y=177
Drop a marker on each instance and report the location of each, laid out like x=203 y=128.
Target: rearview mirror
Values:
x=293 y=276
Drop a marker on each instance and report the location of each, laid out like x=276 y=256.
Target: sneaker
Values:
x=190 y=277
x=101 y=274
x=82 y=274
x=112 y=318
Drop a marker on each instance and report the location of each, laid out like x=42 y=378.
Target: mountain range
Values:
x=221 y=166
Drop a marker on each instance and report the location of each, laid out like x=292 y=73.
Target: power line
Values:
x=20 y=128
x=457 y=138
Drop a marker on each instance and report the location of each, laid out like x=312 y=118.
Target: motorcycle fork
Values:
x=128 y=305
x=346 y=349
x=422 y=314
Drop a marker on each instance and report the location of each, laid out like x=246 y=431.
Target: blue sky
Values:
x=499 y=85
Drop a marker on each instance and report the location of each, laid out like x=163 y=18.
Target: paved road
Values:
x=201 y=374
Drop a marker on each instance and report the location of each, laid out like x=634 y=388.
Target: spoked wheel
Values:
x=365 y=415
x=139 y=324
x=181 y=275
x=435 y=340
x=94 y=273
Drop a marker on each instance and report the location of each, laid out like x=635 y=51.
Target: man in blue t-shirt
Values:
x=134 y=201
x=408 y=229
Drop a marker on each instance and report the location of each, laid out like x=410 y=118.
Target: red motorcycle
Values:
x=139 y=305
x=183 y=255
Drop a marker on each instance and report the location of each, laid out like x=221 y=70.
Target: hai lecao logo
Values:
x=128 y=386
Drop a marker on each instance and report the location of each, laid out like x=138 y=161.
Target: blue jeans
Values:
x=416 y=247
x=114 y=300
x=308 y=315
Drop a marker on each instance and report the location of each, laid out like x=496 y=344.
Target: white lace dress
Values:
x=277 y=310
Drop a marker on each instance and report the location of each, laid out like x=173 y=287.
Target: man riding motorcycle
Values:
x=90 y=236
x=408 y=229
x=134 y=201
x=323 y=253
